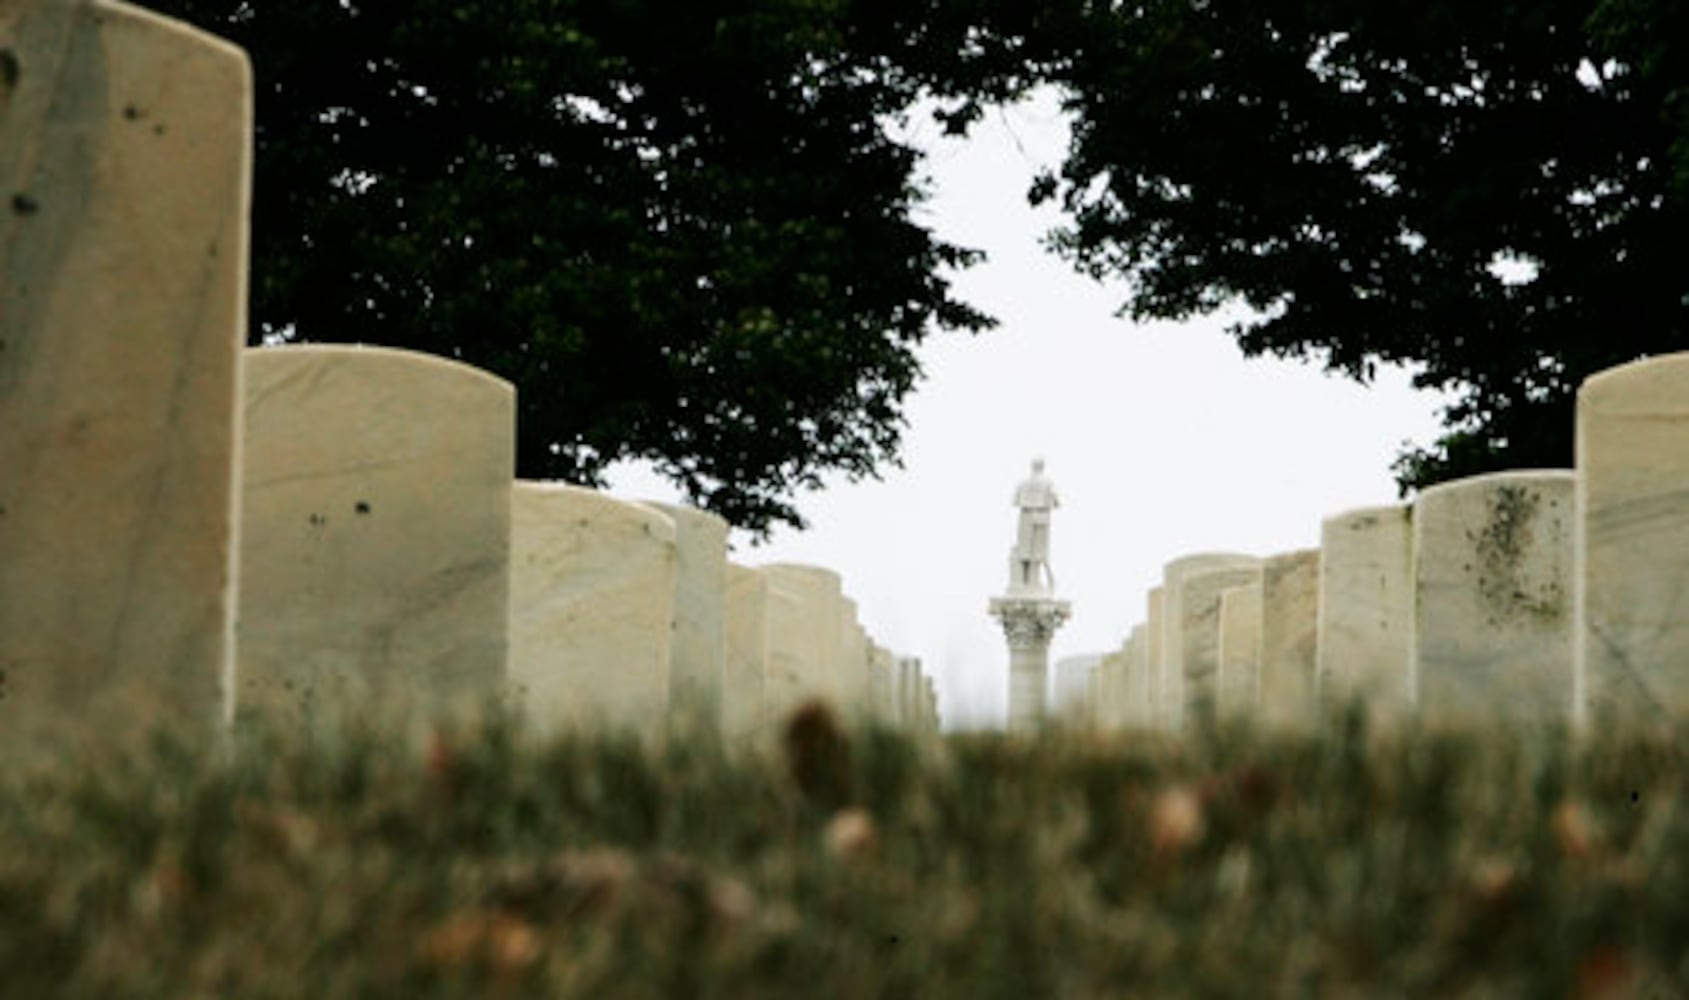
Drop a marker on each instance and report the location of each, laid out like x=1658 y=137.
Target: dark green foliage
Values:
x=678 y=228
x=1349 y=864
x=1353 y=170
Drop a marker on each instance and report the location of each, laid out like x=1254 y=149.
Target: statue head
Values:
x=1038 y=466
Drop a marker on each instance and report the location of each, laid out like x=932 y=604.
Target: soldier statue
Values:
x=1029 y=563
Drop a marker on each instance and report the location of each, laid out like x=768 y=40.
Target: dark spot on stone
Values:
x=1635 y=797
x=362 y=507
x=131 y=112
x=23 y=204
x=318 y=519
x=158 y=129
x=9 y=69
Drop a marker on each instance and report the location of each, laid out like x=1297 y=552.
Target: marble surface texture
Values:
x=1290 y=604
x=1175 y=663
x=911 y=692
x=700 y=650
x=818 y=634
x=1107 y=691
x=1199 y=630
x=1366 y=610
x=793 y=639
x=375 y=532
x=852 y=673
x=1070 y=677
x=593 y=585
x=1633 y=542
x=1136 y=708
x=746 y=659
x=1239 y=654
x=1155 y=638
x=125 y=151
x=1492 y=637
x=881 y=680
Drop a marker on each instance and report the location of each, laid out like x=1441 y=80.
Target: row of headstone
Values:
x=389 y=561
x=191 y=531
x=1557 y=596
x=625 y=612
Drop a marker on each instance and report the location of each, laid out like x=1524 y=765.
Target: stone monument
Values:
x=1029 y=611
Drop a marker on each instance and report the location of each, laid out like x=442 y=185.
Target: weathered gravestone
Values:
x=881 y=681
x=125 y=152
x=909 y=686
x=1492 y=637
x=818 y=660
x=1239 y=654
x=792 y=646
x=852 y=673
x=1199 y=639
x=1137 y=712
x=1070 y=677
x=1104 y=683
x=1633 y=541
x=1366 y=611
x=700 y=642
x=1192 y=621
x=375 y=533
x=1115 y=684
x=747 y=657
x=1155 y=639
x=593 y=585
x=1290 y=602
x=1105 y=687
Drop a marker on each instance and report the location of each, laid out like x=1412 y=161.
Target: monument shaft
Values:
x=1029 y=613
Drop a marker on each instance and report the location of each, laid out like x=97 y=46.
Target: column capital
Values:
x=1029 y=622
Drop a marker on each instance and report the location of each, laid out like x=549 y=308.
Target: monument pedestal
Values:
x=1028 y=623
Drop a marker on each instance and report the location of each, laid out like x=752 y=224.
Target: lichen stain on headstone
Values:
x=1502 y=547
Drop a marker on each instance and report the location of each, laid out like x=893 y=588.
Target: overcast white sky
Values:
x=1162 y=440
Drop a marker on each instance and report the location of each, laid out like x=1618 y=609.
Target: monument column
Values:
x=1029 y=612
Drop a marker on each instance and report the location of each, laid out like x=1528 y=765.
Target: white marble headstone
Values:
x=1633 y=541
x=1194 y=625
x=1199 y=632
x=593 y=585
x=700 y=641
x=1239 y=682
x=1290 y=601
x=375 y=532
x=747 y=657
x=1366 y=611
x=1137 y=711
x=1493 y=600
x=1155 y=639
x=793 y=649
x=125 y=159
x=818 y=634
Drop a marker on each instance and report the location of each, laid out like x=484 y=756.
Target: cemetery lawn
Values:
x=860 y=865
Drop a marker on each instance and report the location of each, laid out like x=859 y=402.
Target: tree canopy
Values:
x=679 y=228
x=684 y=230
x=1495 y=193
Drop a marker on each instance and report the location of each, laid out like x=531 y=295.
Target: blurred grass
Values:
x=854 y=864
